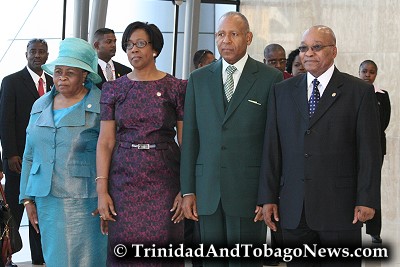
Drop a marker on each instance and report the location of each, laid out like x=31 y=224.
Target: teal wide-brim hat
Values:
x=78 y=53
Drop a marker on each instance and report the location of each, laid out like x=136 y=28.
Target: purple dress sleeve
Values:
x=107 y=102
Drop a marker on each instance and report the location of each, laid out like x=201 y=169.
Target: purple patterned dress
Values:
x=144 y=183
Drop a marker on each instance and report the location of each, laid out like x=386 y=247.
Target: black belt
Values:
x=144 y=146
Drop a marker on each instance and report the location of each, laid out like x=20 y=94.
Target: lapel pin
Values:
x=333 y=94
x=89 y=105
x=158 y=94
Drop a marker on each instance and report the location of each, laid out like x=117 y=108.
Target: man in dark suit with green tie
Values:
x=224 y=122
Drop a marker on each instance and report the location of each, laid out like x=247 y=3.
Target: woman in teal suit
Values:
x=58 y=187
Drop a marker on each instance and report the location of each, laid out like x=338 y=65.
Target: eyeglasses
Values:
x=275 y=61
x=139 y=44
x=314 y=48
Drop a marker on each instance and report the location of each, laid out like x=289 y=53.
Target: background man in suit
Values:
x=275 y=56
x=222 y=133
x=105 y=46
x=18 y=93
x=323 y=163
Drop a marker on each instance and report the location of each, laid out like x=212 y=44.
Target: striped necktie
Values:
x=109 y=73
x=229 y=85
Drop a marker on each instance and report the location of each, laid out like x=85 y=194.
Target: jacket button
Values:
x=306 y=155
x=308 y=132
x=223 y=147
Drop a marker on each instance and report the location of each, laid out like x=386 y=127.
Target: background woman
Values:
x=293 y=63
x=368 y=71
x=138 y=159
x=58 y=187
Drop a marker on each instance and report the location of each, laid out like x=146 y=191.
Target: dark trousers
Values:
x=374 y=226
x=11 y=192
x=276 y=242
x=192 y=238
x=328 y=239
x=222 y=230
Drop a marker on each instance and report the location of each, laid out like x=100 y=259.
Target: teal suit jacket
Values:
x=61 y=159
x=221 y=151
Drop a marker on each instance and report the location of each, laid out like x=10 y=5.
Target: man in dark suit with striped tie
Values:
x=223 y=129
x=105 y=46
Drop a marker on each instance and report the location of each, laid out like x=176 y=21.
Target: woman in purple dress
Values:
x=137 y=156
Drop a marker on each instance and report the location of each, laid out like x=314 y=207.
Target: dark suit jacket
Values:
x=384 y=115
x=329 y=163
x=120 y=70
x=221 y=152
x=17 y=95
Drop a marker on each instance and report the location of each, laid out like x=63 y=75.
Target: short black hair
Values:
x=101 y=32
x=199 y=57
x=154 y=33
x=271 y=48
x=36 y=40
x=290 y=60
x=368 y=61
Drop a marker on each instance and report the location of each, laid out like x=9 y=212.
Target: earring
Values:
x=154 y=54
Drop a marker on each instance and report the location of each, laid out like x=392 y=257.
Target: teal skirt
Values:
x=71 y=236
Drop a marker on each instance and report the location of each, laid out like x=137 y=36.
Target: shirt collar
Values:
x=323 y=79
x=103 y=64
x=239 y=64
x=36 y=77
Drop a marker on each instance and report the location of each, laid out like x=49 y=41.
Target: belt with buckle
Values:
x=144 y=146
x=157 y=146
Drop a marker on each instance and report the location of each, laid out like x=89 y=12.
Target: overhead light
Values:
x=177 y=2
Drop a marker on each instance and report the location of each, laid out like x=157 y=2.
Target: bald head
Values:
x=233 y=36
x=240 y=16
x=323 y=31
x=318 y=49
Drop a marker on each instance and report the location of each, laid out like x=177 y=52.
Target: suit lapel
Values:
x=216 y=88
x=299 y=94
x=49 y=82
x=331 y=93
x=118 y=71
x=100 y=72
x=246 y=81
x=29 y=84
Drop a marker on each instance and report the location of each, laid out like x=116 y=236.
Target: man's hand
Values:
x=259 y=214
x=270 y=210
x=189 y=207
x=363 y=214
x=15 y=163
